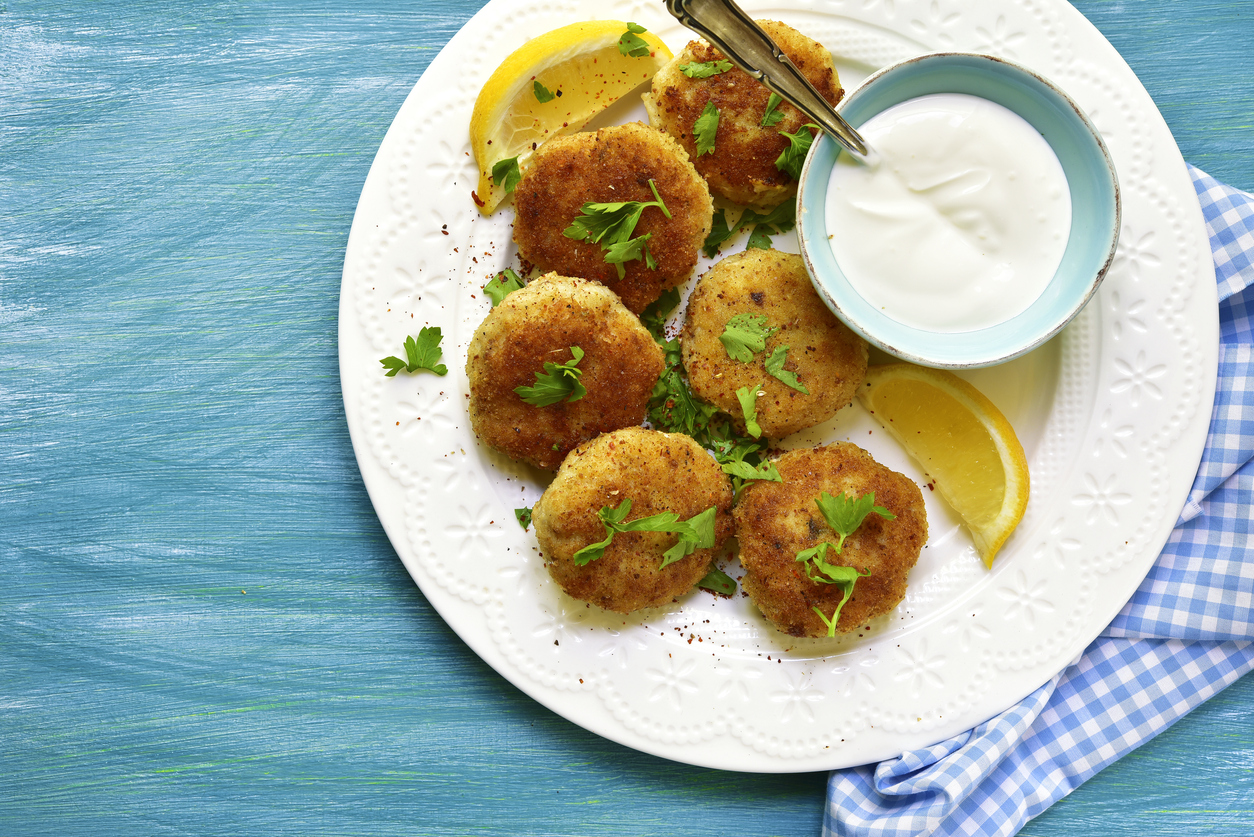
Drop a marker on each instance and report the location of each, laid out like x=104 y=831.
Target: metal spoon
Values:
x=726 y=26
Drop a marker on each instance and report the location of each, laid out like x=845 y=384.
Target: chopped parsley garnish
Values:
x=719 y=232
x=718 y=581
x=744 y=461
x=423 y=353
x=779 y=220
x=655 y=313
x=506 y=174
x=558 y=381
x=632 y=44
x=705 y=129
x=705 y=69
x=523 y=516
x=745 y=335
x=793 y=157
x=775 y=368
x=772 y=116
x=611 y=226
x=697 y=532
x=502 y=285
x=543 y=94
x=843 y=514
x=748 y=398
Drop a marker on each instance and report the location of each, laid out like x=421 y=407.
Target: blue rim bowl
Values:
x=1095 y=209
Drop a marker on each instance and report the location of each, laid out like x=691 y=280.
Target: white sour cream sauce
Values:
x=959 y=221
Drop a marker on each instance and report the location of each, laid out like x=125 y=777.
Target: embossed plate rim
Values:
x=477 y=608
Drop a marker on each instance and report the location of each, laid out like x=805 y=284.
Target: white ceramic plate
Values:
x=1112 y=413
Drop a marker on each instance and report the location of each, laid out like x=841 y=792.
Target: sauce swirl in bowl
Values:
x=986 y=219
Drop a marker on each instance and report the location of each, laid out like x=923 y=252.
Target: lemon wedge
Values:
x=580 y=65
x=962 y=441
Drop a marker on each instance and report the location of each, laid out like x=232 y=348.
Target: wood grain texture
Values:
x=203 y=629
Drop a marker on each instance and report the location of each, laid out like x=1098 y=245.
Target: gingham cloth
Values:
x=1184 y=635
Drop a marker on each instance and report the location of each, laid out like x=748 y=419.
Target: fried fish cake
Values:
x=742 y=167
x=541 y=322
x=775 y=521
x=608 y=166
x=658 y=472
x=826 y=357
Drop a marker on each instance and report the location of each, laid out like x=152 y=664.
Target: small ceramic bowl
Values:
x=1095 y=209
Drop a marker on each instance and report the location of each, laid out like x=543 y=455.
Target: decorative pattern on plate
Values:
x=1113 y=427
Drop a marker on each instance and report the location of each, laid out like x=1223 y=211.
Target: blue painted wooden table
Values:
x=203 y=629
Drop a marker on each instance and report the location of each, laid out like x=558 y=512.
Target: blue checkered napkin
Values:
x=1185 y=634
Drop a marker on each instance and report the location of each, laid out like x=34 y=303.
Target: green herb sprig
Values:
x=775 y=368
x=779 y=220
x=543 y=94
x=705 y=129
x=745 y=335
x=611 y=225
x=772 y=117
x=506 y=174
x=631 y=44
x=793 y=157
x=502 y=285
x=558 y=381
x=748 y=398
x=844 y=514
x=705 y=69
x=697 y=532
x=423 y=353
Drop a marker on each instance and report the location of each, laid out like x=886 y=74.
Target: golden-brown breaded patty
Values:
x=827 y=358
x=742 y=166
x=611 y=165
x=659 y=472
x=776 y=520
x=539 y=323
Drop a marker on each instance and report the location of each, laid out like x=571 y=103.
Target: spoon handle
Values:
x=726 y=26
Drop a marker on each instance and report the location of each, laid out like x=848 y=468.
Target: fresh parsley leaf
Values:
x=655 y=313
x=775 y=368
x=697 y=532
x=748 y=398
x=558 y=381
x=844 y=577
x=781 y=219
x=846 y=513
x=760 y=238
x=744 y=461
x=719 y=232
x=523 y=516
x=506 y=174
x=705 y=129
x=423 y=353
x=632 y=44
x=502 y=285
x=543 y=94
x=705 y=69
x=674 y=409
x=745 y=335
x=630 y=250
x=611 y=226
x=793 y=157
x=718 y=581
x=772 y=117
